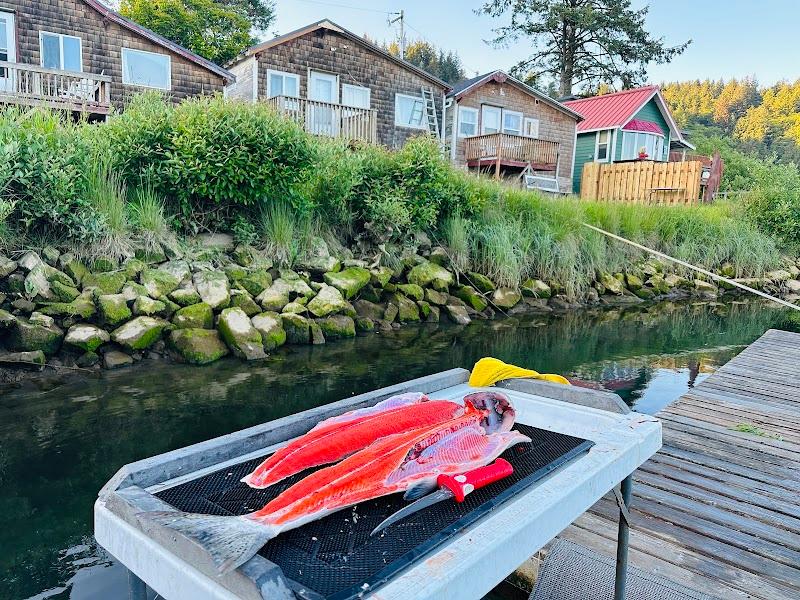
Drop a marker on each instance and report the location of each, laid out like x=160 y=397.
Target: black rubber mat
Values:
x=335 y=556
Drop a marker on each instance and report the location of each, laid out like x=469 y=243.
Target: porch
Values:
x=330 y=119
x=508 y=150
x=31 y=85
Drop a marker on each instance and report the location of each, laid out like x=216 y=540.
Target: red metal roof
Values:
x=642 y=125
x=610 y=110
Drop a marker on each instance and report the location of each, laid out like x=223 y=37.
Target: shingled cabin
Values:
x=81 y=56
x=338 y=84
x=497 y=124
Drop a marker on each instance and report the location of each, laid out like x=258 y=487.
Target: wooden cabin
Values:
x=338 y=84
x=629 y=126
x=497 y=124
x=81 y=56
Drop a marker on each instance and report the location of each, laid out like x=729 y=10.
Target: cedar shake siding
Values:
x=103 y=36
x=327 y=48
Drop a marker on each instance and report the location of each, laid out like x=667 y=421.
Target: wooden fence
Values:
x=643 y=182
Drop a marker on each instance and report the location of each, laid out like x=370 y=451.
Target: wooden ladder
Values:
x=429 y=107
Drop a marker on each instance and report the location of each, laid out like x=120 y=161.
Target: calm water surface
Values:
x=62 y=439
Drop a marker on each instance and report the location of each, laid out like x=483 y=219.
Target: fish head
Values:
x=498 y=414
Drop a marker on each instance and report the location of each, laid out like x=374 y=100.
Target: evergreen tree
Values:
x=445 y=66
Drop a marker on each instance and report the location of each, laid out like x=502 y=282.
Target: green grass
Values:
x=755 y=430
x=455 y=232
x=146 y=210
x=107 y=194
x=285 y=234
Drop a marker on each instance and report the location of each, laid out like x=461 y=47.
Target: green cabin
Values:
x=631 y=125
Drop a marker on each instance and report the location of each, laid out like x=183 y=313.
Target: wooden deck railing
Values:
x=505 y=148
x=31 y=85
x=329 y=119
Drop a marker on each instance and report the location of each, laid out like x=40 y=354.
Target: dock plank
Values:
x=718 y=510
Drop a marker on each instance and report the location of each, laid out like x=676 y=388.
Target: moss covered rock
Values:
x=297 y=327
x=337 y=326
x=429 y=274
x=198 y=346
x=132 y=290
x=457 y=314
x=424 y=308
x=350 y=281
x=144 y=305
x=256 y=282
x=328 y=300
x=6 y=319
x=132 y=267
x=295 y=307
x=196 y=316
x=611 y=284
x=407 y=310
x=116 y=360
x=380 y=276
x=158 y=283
x=185 y=296
x=63 y=292
x=86 y=337
x=27 y=336
x=435 y=297
x=369 y=310
x=238 y=332
x=243 y=300
x=270 y=326
x=481 y=282
x=412 y=290
x=275 y=297
x=364 y=325
x=73 y=267
x=139 y=333
x=471 y=297
x=80 y=307
x=7 y=266
x=213 y=288
x=506 y=297
x=107 y=283
x=112 y=309
x=535 y=288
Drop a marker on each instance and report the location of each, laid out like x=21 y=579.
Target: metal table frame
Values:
x=176 y=568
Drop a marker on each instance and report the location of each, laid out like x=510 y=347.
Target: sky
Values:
x=731 y=38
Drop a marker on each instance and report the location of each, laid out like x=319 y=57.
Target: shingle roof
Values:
x=117 y=18
x=611 y=110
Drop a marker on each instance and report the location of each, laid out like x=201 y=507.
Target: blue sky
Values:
x=731 y=38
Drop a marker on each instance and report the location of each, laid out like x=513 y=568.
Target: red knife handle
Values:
x=463 y=484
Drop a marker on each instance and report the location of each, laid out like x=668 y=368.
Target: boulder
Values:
x=270 y=326
x=317 y=337
x=611 y=284
x=672 y=280
x=27 y=336
x=34 y=360
x=115 y=359
x=244 y=255
x=705 y=287
x=24 y=305
x=778 y=275
x=424 y=309
x=407 y=310
x=435 y=297
x=87 y=359
x=371 y=293
x=390 y=312
x=143 y=305
x=63 y=293
x=198 y=346
x=659 y=284
x=14 y=284
x=107 y=283
x=104 y=265
x=235 y=273
x=364 y=324
x=380 y=276
x=506 y=297
x=81 y=307
x=471 y=297
x=429 y=274
x=6 y=319
x=213 y=288
x=185 y=296
x=113 y=309
x=349 y=281
x=337 y=326
x=86 y=337
x=196 y=316
x=158 y=283
x=132 y=267
x=139 y=333
x=37 y=284
x=439 y=256
x=295 y=307
x=535 y=288
x=132 y=290
x=218 y=241
x=634 y=282
x=179 y=269
x=411 y=290
x=72 y=267
x=433 y=317
x=256 y=282
x=328 y=300
x=29 y=261
x=369 y=310
x=274 y=297
x=645 y=293
x=244 y=301
x=238 y=332
x=793 y=285
x=41 y=319
x=7 y=266
x=457 y=314
x=481 y=282
x=318 y=259
x=297 y=327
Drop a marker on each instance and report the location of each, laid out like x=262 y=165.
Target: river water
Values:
x=61 y=439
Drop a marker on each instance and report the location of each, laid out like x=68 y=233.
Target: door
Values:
x=323 y=95
x=8 y=49
x=490 y=119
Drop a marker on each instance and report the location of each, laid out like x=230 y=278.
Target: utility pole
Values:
x=400 y=16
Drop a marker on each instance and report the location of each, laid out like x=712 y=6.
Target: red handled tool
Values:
x=453 y=486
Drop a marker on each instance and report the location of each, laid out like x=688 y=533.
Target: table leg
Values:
x=620 y=579
x=137 y=589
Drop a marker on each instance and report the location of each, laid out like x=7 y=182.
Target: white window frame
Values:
x=607 y=144
x=125 y=50
x=491 y=108
x=649 y=135
x=60 y=37
x=513 y=113
x=467 y=110
x=346 y=86
x=284 y=74
x=525 y=129
x=422 y=125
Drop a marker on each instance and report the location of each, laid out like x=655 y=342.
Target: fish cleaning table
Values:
x=583 y=451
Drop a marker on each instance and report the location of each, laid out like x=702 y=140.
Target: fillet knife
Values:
x=453 y=487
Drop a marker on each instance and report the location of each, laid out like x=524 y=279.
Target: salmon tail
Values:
x=230 y=541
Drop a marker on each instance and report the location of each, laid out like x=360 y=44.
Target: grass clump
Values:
x=285 y=234
x=107 y=195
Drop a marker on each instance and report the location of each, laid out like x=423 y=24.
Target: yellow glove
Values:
x=488 y=371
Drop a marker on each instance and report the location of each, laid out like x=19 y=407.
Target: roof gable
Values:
x=117 y=18
x=331 y=26
x=468 y=85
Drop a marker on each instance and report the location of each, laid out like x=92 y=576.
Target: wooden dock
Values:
x=718 y=510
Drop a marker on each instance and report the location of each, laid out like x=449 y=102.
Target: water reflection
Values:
x=62 y=439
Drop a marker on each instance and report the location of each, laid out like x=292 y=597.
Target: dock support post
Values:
x=621 y=576
x=137 y=589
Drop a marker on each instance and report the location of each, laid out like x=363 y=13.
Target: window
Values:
x=409 y=112
x=467 y=121
x=60 y=51
x=512 y=122
x=633 y=142
x=601 y=150
x=531 y=128
x=146 y=69
x=490 y=119
x=282 y=84
x=356 y=96
x=8 y=46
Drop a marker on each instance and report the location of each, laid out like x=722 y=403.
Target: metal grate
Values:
x=335 y=556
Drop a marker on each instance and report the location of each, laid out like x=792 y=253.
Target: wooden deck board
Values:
x=716 y=509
